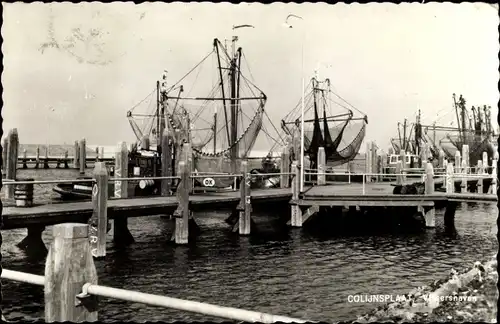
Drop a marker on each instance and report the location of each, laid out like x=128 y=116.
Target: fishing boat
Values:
x=339 y=130
x=474 y=127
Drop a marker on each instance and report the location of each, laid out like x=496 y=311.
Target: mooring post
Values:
x=404 y=166
x=493 y=186
x=458 y=162
x=121 y=233
x=76 y=156
x=429 y=179
x=97 y=153
x=245 y=201
x=166 y=163
x=465 y=158
x=11 y=170
x=479 y=172
x=485 y=163
x=188 y=158
x=285 y=167
x=321 y=178
x=463 y=184
x=181 y=214
x=37 y=157
x=25 y=159
x=296 y=217
x=5 y=149
x=46 y=159
x=450 y=182
x=383 y=165
x=83 y=156
x=99 y=223
x=66 y=159
x=442 y=159
x=68 y=267
x=373 y=154
x=368 y=162
x=399 y=173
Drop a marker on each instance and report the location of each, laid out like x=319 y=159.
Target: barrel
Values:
x=23 y=193
x=143 y=184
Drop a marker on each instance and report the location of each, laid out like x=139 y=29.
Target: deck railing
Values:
x=71 y=298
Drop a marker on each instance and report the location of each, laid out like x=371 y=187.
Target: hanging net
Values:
x=327 y=123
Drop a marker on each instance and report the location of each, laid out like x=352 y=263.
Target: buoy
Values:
x=146 y=183
x=23 y=194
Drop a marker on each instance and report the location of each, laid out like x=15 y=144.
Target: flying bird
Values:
x=241 y=26
x=290 y=16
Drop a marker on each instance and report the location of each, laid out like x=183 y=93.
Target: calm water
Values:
x=294 y=272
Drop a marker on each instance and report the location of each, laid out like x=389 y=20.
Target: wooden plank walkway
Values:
x=340 y=194
x=50 y=214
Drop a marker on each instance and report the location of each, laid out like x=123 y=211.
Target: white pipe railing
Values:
x=160 y=301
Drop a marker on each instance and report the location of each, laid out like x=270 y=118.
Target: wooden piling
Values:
x=485 y=162
x=66 y=159
x=296 y=217
x=442 y=159
x=465 y=158
x=166 y=162
x=493 y=186
x=46 y=160
x=181 y=214
x=121 y=170
x=321 y=179
x=479 y=172
x=68 y=267
x=98 y=223
x=11 y=166
x=429 y=179
x=76 y=156
x=463 y=184
x=404 y=165
x=245 y=201
x=121 y=233
x=97 y=153
x=37 y=157
x=373 y=155
x=430 y=218
x=33 y=244
x=25 y=159
x=83 y=156
x=285 y=167
x=5 y=149
x=188 y=158
x=399 y=173
x=458 y=162
x=450 y=182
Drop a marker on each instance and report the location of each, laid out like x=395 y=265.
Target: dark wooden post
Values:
x=46 y=160
x=76 y=157
x=11 y=169
x=68 y=267
x=98 y=223
x=285 y=167
x=181 y=214
x=321 y=177
x=97 y=153
x=121 y=170
x=37 y=157
x=66 y=159
x=83 y=156
x=430 y=214
x=166 y=163
x=296 y=217
x=245 y=201
x=25 y=159
x=479 y=172
x=5 y=149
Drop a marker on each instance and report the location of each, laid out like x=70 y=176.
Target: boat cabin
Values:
x=395 y=158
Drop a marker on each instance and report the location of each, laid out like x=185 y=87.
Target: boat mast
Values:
x=404 y=136
x=462 y=112
x=215 y=130
x=487 y=119
x=233 y=102
x=158 y=134
x=216 y=44
x=456 y=112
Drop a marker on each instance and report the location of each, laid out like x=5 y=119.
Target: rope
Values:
x=175 y=84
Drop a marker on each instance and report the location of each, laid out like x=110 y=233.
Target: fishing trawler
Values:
x=340 y=133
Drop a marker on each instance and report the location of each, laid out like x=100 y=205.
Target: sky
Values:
x=387 y=60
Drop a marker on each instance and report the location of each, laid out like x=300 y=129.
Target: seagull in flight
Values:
x=241 y=26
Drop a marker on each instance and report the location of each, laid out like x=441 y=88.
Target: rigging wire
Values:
x=140 y=102
x=190 y=71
